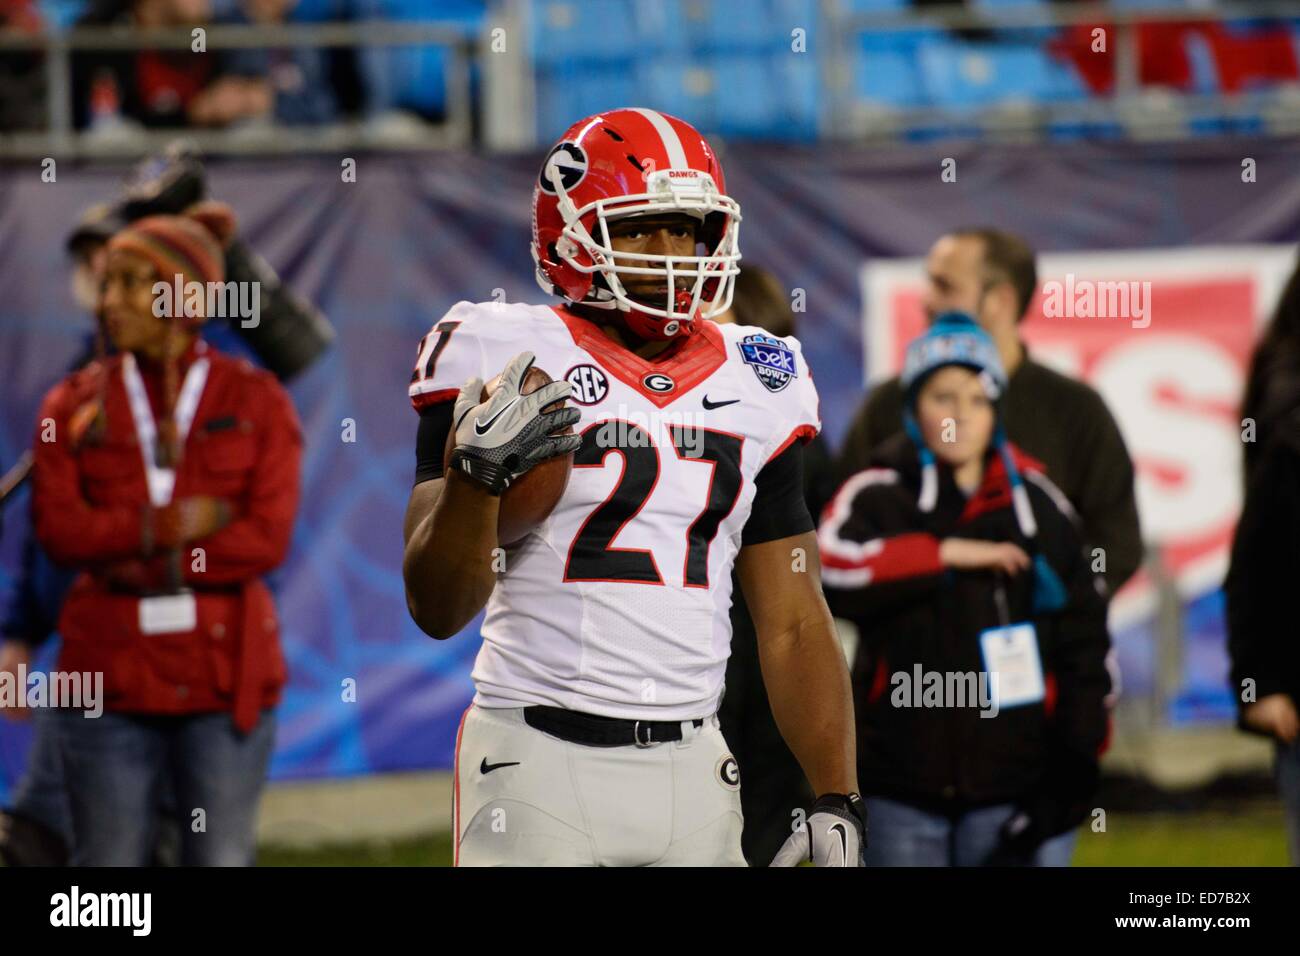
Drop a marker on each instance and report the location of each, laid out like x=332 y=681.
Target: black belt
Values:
x=595 y=731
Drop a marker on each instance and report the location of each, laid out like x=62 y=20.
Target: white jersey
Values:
x=618 y=604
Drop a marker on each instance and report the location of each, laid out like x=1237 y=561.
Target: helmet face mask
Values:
x=573 y=211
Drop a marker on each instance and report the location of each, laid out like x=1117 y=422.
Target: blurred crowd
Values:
x=114 y=90
x=586 y=48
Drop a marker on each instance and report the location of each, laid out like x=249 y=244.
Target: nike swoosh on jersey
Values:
x=486 y=767
x=709 y=406
x=482 y=428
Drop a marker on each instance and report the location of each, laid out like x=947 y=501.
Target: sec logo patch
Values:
x=728 y=772
x=590 y=384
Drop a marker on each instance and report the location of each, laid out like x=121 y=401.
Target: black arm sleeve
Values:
x=779 y=509
x=431 y=441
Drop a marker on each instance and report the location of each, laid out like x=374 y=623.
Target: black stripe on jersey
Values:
x=444 y=330
x=721 y=450
x=590 y=556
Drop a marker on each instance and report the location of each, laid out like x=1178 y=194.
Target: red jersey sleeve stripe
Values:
x=804 y=433
x=422 y=400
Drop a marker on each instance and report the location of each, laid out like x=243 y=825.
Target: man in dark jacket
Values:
x=1061 y=422
x=980 y=680
x=1262 y=631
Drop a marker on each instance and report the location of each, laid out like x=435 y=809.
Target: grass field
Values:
x=1255 y=838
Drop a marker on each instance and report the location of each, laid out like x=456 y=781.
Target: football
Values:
x=531 y=499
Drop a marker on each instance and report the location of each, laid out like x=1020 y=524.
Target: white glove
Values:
x=500 y=439
x=835 y=834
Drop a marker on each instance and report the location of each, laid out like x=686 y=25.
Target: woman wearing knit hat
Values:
x=168 y=474
x=980 y=679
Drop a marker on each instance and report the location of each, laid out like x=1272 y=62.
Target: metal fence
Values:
x=502 y=115
x=1141 y=113
x=61 y=139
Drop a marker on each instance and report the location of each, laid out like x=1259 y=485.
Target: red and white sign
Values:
x=1173 y=380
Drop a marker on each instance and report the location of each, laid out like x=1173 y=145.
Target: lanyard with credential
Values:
x=161 y=480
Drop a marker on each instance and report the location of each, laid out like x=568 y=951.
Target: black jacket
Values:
x=1263 y=637
x=914 y=612
x=1087 y=459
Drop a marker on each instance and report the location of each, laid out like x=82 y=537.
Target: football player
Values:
x=593 y=737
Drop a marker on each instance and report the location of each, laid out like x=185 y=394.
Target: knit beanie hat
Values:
x=954 y=338
x=191 y=245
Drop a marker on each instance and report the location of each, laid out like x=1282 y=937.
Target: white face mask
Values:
x=667 y=191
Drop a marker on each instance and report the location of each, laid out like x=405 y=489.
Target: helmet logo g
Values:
x=570 y=162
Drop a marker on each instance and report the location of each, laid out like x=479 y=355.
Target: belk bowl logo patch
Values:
x=770 y=358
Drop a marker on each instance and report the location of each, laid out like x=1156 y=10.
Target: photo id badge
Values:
x=1011 y=660
x=168 y=613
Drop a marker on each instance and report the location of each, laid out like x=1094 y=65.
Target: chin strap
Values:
x=657 y=328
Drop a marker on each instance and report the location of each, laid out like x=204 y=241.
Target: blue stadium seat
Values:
x=707 y=27
x=724 y=26
x=1075 y=131
x=567 y=94
x=798 y=79
x=584 y=30
x=772 y=97
x=960 y=74
x=730 y=25
x=661 y=28
x=795 y=13
x=873 y=6
x=682 y=87
x=749 y=102
x=1205 y=72
x=1227 y=126
x=59 y=15
x=411 y=77
x=885 y=71
x=326 y=11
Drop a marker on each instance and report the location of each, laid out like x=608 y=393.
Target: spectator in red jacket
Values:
x=169 y=475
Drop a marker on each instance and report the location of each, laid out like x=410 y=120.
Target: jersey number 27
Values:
x=591 y=557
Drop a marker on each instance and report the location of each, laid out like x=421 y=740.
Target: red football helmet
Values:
x=634 y=162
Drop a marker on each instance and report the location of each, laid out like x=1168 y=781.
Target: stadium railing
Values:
x=867 y=74
x=1056 y=104
x=59 y=138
